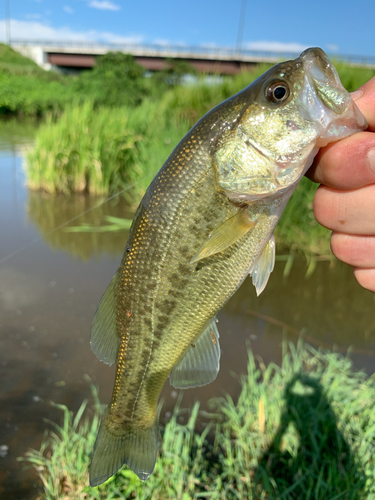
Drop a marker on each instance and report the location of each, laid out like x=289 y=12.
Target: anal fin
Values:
x=225 y=235
x=264 y=266
x=104 y=338
x=200 y=365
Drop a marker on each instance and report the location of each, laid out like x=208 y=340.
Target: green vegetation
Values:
x=101 y=150
x=115 y=80
x=298 y=232
x=15 y=62
x=26 y=89
x=302 y=430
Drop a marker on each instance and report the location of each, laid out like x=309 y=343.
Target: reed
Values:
x=100 y=150
x=300 y=430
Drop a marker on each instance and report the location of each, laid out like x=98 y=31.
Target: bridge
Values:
x=67 y=56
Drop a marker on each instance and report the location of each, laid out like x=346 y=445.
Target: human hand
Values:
x=345 y=202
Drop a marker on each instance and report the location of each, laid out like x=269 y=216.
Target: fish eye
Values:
x=277 y=92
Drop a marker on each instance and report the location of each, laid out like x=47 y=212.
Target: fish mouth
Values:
x=248 y=194
x=325 y=101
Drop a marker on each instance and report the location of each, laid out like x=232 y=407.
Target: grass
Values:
x=302 y=430
x=28 y=90
x=298 y=232
x=100 y=150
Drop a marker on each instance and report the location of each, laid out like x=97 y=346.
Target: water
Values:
x=49 y=292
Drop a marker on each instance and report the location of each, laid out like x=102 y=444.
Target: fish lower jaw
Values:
x=248 y=198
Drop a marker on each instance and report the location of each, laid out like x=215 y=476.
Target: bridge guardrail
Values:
x=199 y=50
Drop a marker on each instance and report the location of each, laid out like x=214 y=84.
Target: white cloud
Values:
x=275 y=46
x=33 y=16
x=68 y=9
x=35 y=30
x=333 y=47
x=104 y=5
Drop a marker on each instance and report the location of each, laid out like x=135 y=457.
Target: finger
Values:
x=357 y=251
x=350 y=212
x=347 y=164
x=366 y=278
x=364 y=98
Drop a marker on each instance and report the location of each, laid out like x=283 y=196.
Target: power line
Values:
x=7 y=22
x=241 y=26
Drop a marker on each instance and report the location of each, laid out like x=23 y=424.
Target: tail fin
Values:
x=137 y=448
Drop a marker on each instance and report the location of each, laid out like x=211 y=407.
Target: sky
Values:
x=338 y=26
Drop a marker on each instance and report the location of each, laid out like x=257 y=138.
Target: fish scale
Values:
x=204 y=224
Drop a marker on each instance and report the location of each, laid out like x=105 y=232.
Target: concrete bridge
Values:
x=68 y=56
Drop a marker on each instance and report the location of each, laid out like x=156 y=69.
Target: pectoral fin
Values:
x=264 y=266
x=201 y=363
x=225 y=235
x=104 y=338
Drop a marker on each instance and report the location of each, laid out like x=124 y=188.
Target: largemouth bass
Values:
x=205 y=223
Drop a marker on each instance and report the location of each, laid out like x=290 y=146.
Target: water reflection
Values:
x=19 y=289
x=329 y=307
x=16 y=135
x=49 y=212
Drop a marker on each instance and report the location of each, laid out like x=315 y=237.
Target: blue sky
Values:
x=341 y=27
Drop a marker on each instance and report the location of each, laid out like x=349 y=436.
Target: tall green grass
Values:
x=100 y=150
x=305 y=430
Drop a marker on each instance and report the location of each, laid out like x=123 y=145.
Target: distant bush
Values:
x=31 y=95
x=115 y=80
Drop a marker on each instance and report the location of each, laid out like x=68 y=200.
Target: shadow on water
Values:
x=321 y=466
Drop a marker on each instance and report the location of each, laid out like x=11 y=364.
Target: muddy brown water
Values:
x=50 y=289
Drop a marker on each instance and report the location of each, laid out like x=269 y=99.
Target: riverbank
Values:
x=302 y=430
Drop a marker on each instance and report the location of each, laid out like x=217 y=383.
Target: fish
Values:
x=205 y=223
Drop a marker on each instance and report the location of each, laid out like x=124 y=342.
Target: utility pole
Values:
x=241 y=27
x=7 y=22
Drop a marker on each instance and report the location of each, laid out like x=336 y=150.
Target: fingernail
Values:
x=357 y=94
x=371 y=158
